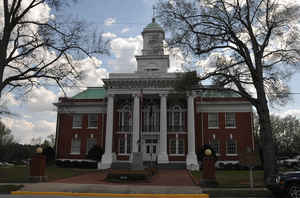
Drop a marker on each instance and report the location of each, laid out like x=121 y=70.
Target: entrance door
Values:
x=150 y=149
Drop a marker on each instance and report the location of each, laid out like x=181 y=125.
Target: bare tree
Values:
x=38 y=45
x=6 y=138
x=252 y=45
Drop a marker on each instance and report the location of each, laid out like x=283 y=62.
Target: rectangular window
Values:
x=230 y=120
x=128 y=144
x=125 y=144
x=172 y=146
x=231 y=147
x=181 y=146
x=213 y=121
x=90 y=143
x=215 y=146
x=77 y=121
x=92 y=121
x=122 y=145
x=75 y=146
x=176 y=146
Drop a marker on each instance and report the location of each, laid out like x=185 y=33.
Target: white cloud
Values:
x=176 y=60
x=124 y=50
x=125 y=30
x=293 y=112
x=92 y=72
x=9 y=100
x=24 y=130
x=109 y=35
x=109 y=21
x=40 y=99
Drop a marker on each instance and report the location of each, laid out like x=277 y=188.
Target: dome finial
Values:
x=153 y=17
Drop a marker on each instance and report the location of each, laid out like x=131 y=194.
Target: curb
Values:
x=108 y=194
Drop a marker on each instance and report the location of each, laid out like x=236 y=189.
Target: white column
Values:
x=163 y=156
x=108 y=157
x=191 y=159
x=136 y=123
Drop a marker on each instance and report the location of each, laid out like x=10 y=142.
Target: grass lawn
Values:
x=21 y=174
x=235 y=179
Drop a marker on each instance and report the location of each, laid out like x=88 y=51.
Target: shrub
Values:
x=59 y=163
x=95 y=153
x=50 y=154
x=67 y=164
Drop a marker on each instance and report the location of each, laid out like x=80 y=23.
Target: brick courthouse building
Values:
x=141 y=112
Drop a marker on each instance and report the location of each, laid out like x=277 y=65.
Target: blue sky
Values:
x=122 y=21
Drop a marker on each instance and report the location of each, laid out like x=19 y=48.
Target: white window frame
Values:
x=177 y=139
x=123 y=119
x=171 y=118
x=154 y=121
x=215 y=142
x=89 y=121
x=127 y=145
x=75 y=140
x=228 y=143
x=77 y=118
x=231 y=120
x=88 y=147
x=217 y=120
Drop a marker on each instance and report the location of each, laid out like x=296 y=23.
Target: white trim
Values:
x=124 y=154
x=218 y=121
x=232 y=154
x=233 y=127
x=124 y=132
x=82 y=109
x=92 y=128
x=213 y=127
x=176 y=154
x=74 y=153
x=175 y=132
x=224 y=107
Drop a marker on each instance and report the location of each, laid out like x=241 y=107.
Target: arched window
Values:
x=125 y=119
x=176 y=119
x=231 y=147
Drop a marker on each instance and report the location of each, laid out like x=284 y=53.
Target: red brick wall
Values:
x=242 y=134
x=66 y=133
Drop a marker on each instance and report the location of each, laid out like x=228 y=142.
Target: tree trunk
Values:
x=2 y=66
x=267 y=140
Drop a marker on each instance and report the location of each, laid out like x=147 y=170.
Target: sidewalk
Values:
x=106 y=188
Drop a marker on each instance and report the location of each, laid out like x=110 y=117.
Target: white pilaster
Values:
x=136 y=123
x=163 y=156
x=107 y=158
x=191 y=159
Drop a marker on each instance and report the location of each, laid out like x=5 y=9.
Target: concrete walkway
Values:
x=106 y=188
x=164 y=177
